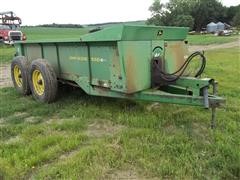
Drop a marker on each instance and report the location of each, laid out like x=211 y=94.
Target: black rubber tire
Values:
x=22 y=64
x=50 y=81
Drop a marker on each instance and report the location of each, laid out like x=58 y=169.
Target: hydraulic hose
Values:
x=171 y=77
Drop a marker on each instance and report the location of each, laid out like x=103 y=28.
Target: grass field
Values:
x=44 y=33
x=6 y=53
x=207 y=39
x=65 y=33
x=84 y=137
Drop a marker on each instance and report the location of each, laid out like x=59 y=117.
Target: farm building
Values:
x=217 y=27
x=212 y=27
x=220 y=26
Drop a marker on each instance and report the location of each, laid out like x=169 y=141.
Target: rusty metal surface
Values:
x=117 y=75
x=175 y=55
x=130 y=73
x=136 y=59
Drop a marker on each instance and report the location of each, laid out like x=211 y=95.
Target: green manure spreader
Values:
x=148 y=63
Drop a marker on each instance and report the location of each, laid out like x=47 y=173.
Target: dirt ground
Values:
x=5 y=75
x=5 y=72
x=214 y=46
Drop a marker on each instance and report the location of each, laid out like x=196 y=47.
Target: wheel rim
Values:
x=17 y=75
x=38 y=82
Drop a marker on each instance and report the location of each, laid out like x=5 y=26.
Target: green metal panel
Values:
x=142 y=33
x=50 y=53
x=155 y=95
x=18 y=49
x=126 y=33
x=106 y=34
x=65 y=40
x=136 y=56
x=73 y=59
x=137 y=33
x=33 y=51
x=101 y=58
x=118 y=78
x=116 y=62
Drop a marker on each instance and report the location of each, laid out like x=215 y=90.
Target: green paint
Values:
x=116 y=62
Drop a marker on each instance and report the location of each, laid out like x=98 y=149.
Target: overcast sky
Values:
x=82 y=11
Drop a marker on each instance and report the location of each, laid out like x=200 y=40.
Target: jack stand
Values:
x=215 y=92
x=213 y=120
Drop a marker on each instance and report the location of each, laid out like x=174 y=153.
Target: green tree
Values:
x=156 y=7
x=236 y=19
x=181 y=7
x=180 y=13
x=184 y=20
x=174 y=13
x=206 y=11
x=195 y=14
x=232 y=11
x=157 y=10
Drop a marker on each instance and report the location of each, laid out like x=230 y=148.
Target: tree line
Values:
x=195 y=14
x=61 y=25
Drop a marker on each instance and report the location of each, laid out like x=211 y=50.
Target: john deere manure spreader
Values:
x=133 y=62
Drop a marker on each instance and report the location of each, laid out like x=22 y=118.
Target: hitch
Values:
x=215 y=91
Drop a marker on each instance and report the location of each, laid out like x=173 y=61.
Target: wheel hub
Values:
x=17 y=73
x=38 y=82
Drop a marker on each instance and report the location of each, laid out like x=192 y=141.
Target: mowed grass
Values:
x=86 y=137
x=6 y=53
x=207 y=39
x=47 y=33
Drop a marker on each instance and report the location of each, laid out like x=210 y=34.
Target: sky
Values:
x=82 y=11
